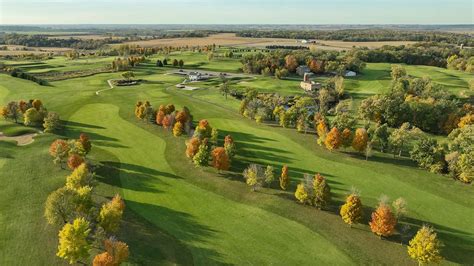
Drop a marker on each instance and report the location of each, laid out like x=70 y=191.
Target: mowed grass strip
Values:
x=213 y=227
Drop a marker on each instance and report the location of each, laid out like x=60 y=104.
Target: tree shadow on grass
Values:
x=78 y=124
x=181 y=229
x=128 y=177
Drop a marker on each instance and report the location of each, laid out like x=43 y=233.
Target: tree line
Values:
x=73 y=207
x=31 y=113
x=363 y=35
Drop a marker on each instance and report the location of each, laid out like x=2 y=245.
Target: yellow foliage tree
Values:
x=383 y=221
x=79 y=177
x=322 y=130
x=284 y=179
x=425 y=247
x=178 y=129
x=333 y=139
x=466 y=120
x=73 y=243
x=351 y=211
x=359 y=143
x=322 y=191
x=346 y=138
x=110 y=214
x=301 y=194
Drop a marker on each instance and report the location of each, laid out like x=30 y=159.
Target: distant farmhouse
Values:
x=196 y=76
x=308 y=85
x=349 y=73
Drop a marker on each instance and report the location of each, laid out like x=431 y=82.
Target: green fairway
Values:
x=179 y=214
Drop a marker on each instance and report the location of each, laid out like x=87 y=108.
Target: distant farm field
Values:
x=230 y=39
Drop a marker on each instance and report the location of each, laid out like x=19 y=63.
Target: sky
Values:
x=236 y=12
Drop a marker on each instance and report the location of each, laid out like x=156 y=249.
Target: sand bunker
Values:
x=20 y=140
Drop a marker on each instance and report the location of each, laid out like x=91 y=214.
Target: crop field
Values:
x=179 y=214
x=230 y=39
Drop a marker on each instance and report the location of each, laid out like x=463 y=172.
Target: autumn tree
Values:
x=59 y=149
x=51 y=122
x=425 y=246
x=80 y=177
x=110 y=214
x=291 y=63
x=103 y=259
x=346 y=138
x=33 y=117
x=74 y=161
x=178 y=129
x=339 y=86
x=167 y=122
x=397 y=72
x=12 y=111
x=192 y=147
x=359 y=143
x=60 y=206
x=383 y=221
x=160 y=116
x=37 y=104
x=333 y=139
x=202 y=156
x=321 y=130
x=301 y=193
x=254 y=176
x=284 y=179
x=220 y=159
x=351 y=211
x=85 y=142
x=203 y=130
x=229 y=146
x=269 y=175
x=466 y=120
x=322 y=191
x=73 y=241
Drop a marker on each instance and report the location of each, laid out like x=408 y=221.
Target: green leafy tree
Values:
x=52 y=123
x=60 y=206
x=380 y=136
x=428 y=154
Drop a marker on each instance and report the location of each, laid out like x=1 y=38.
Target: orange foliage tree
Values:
x=333 y=139
x=167 y=122
x=220 y=159
x=74 y=161
x=103 y=259
x=182 y=117
x=192 y=147
x=160 y=115
x=383 y=221
x=359 y=143
x=291 y=63
x=85 y=142
x=58 y=145
x=346 y=138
